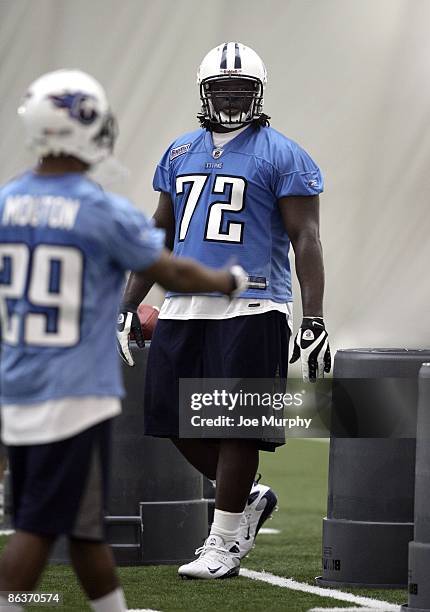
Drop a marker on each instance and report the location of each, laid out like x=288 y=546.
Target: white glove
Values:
x=128 y=324
x=311 y=345
x=240 y=278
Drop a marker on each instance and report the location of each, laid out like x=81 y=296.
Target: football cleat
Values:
x=217 y=559
x=259 y=507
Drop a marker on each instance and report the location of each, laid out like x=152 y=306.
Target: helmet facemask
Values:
x=231 y=101
x=106 y=137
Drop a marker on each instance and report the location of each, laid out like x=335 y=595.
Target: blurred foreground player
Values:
x=64 y=247
x=234 y=189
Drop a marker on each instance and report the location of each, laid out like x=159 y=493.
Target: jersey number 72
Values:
x=235 y=186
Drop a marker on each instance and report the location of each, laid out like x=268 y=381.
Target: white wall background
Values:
x=348 y=79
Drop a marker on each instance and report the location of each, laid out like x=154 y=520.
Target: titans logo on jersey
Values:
x=227 y=209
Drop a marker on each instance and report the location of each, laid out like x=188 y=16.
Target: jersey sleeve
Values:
x=161 y=180
x=295 y=173
x=132 y=240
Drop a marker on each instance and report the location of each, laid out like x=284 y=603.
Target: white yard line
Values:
x=346 y=609
x=263 y=530
x=289 y=583
x=369 y=604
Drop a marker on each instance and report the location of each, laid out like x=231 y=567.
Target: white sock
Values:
x=226 y=524
x=5 y=605
x=112 y=602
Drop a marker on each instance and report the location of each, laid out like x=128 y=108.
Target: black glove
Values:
x=128 y=324
x=311 y=345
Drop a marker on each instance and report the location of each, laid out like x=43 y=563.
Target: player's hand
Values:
x=240 y=280
x=312 y=347
x=128 y=325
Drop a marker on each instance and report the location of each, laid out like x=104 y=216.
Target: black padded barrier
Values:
x=370 y=506
x=156 y=512
x=419 y=548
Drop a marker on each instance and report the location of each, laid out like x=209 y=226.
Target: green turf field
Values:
x=298 y=473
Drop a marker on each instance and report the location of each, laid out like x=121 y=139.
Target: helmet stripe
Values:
x=237 y=59
x=223 y=63
x=230 y=55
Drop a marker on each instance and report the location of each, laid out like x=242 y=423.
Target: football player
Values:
x=233 y=189
x=65 y=244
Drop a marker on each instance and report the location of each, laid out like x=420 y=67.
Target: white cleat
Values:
x=259 y=507
x=217 y=559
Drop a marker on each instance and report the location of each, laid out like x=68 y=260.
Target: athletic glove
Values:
x=128 y=324
x=240 y=279
x=312 y=347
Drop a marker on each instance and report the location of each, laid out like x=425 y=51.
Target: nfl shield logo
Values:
x=216 y=153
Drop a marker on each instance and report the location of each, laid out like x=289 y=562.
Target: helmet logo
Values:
x=217 y=152
x=80 y=106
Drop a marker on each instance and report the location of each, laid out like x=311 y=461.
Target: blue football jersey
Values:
x=225 y=202
x=64 y=247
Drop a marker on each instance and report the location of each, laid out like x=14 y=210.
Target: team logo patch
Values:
x=217 y=152
x=308 y=334
x=177 y=151
x=80 y=106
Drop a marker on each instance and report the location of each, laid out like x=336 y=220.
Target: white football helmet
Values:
x=232 y=79
x=67 y=112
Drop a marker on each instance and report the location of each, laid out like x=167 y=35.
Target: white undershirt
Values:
x=54 y=420
x=186 y=307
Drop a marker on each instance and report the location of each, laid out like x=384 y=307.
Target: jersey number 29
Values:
x=50 y=276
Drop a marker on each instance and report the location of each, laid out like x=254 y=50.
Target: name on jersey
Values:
x=48 y=211
x=177 y=151
x=213 y=165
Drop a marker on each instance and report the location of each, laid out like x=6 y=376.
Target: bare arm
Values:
x=138 y=284
x=173 y=273
x=301 y=219
x=186 y=275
